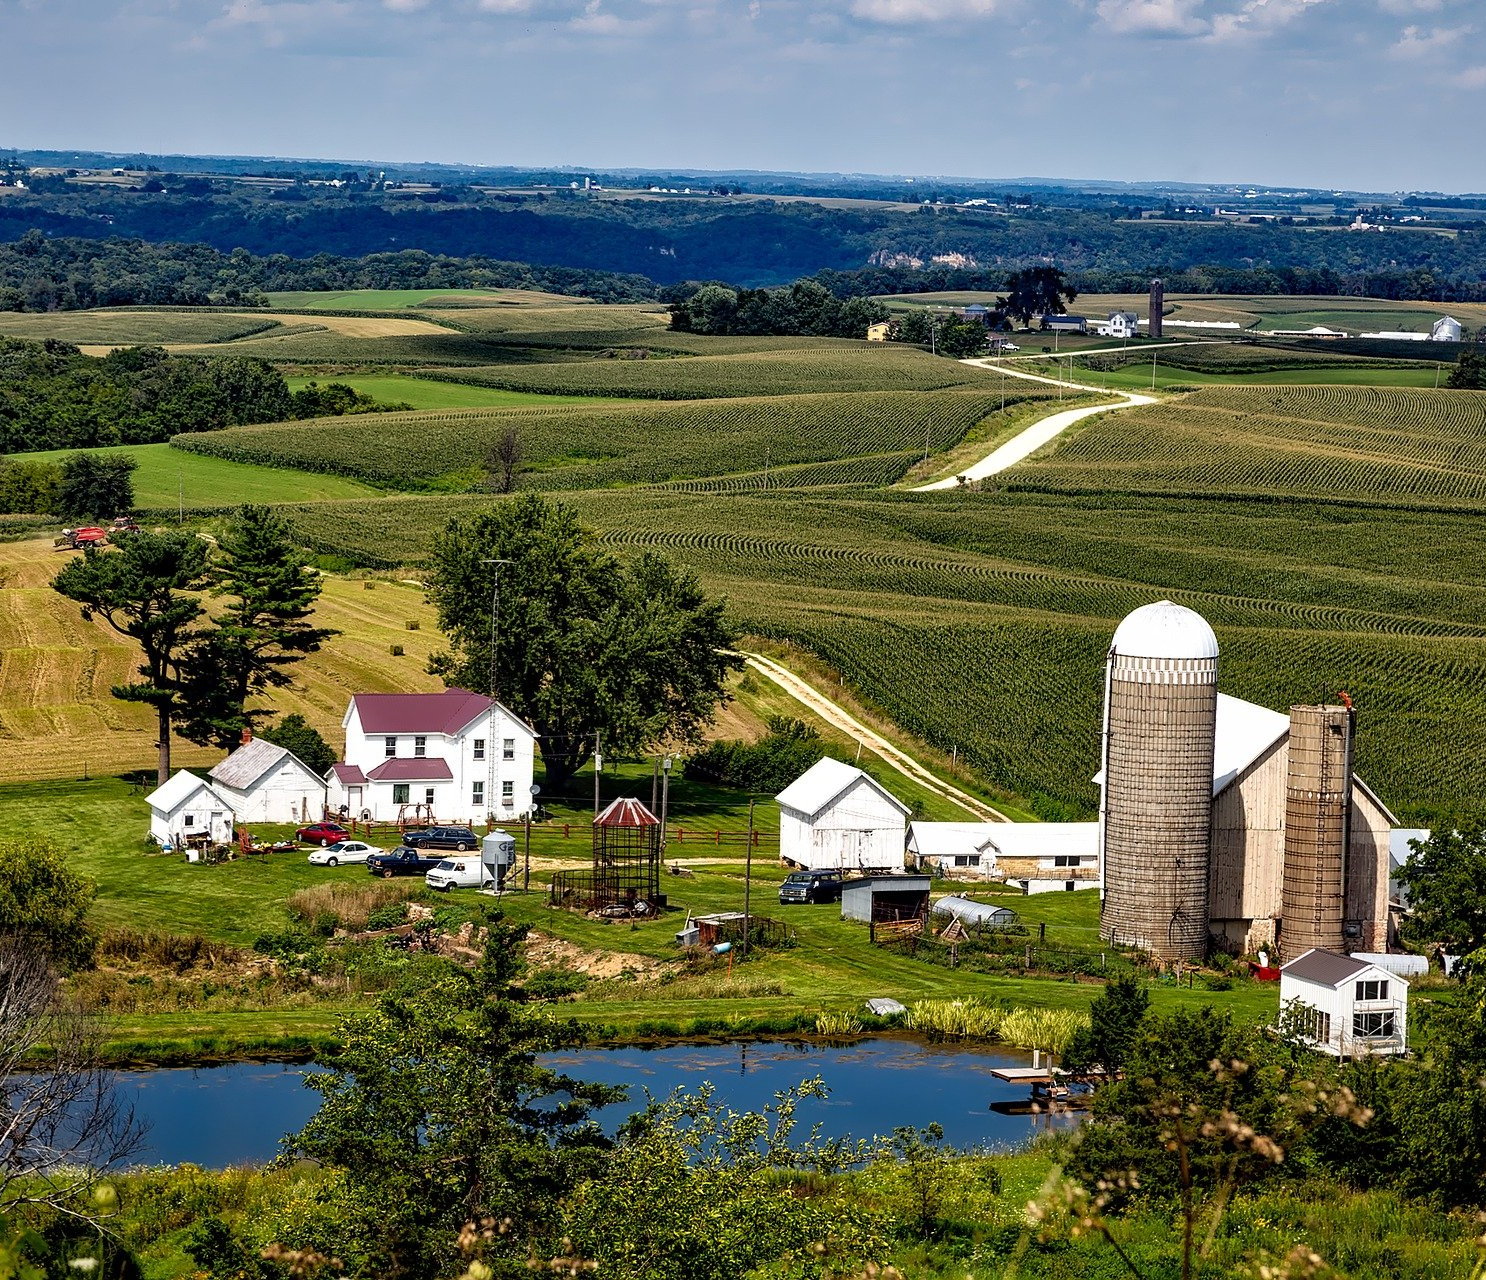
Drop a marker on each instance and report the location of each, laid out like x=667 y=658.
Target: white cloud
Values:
x=1416 y=42
x=404 y=6
x=1259 y=17
x=1411 y=6
x=504 y=6
x=1472 y=78
x=912 y=12
x=1154 y=17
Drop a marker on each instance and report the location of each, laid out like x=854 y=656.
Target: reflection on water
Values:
x=216 y=1116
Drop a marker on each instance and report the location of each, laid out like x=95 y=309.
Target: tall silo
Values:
x=1155 y=815
x=1318 y=807
x=1157 y=309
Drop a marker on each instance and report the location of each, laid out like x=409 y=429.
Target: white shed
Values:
x=1446 y=329
x=264 y=782
x=1350 y=1006
x=835 y=817
x=187 y=807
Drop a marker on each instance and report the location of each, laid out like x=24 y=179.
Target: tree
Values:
x=1036 y=291
x=435 y=1112
x=505 y=459
x=95 y=486
x=1114 y=1024
x=1443 y=879
x=586 y=644
x=294 y=733
x=145 y=589
x=44 y=904
x=264 y=631
x=1469 y=373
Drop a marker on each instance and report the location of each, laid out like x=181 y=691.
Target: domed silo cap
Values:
x=1165 y=630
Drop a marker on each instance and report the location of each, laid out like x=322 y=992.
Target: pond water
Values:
x=216 y=1116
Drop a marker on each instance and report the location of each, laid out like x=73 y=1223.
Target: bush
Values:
x=348 y=905
x=45 y=902
x=770 y=764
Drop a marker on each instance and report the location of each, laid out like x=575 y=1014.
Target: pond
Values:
x=216 y=1116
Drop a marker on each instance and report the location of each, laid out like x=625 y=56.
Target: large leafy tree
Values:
x=44 y=905
x=1444 y=880
x=147 y=589
x=1036 y=291
x=265 y=629
x=1114 y=1024
x=436 y=1113
x=95 y=486
x=585 y=644
x=296 y=734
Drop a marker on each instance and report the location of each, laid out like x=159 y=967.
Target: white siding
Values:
x=202 y=810
x=286 y=793
x=860 y=829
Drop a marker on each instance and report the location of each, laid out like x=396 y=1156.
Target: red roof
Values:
x=446 y=712
x=348 y=774
x=411 y=769
x=626 y=813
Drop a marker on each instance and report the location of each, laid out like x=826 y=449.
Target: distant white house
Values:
x=188 y=807
x=1035 y=857
x=833 y=816
x=1349 y=1006
x=264 y=782
x=1121 y=324
x=454 y=755
x=1446 y=329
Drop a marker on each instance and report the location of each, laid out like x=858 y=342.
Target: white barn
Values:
x=1349 y=1006
x=444 y=755
x=835 y=817
x=264 y=782
x=1035 y=857
x=1446 y=329
x=187 y=807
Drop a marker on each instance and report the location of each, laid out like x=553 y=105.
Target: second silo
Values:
x=1155 y=815
x=1318 y=804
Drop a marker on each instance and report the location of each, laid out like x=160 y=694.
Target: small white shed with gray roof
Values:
x=1346 y=1006
x=835 y=817
x=264 y=782
x=188 y=809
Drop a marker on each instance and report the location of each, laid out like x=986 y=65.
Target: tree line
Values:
x=806 y=308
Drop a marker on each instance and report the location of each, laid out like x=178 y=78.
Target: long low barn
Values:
x=1036 y=857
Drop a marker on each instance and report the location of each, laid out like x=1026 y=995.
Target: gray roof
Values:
x=1324 y=967
x=250 y=762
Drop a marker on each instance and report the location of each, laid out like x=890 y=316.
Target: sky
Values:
x=1373 y=95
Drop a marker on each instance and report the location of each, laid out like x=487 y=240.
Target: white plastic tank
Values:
x=497 y=856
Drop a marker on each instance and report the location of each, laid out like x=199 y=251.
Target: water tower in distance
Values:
x=1158 y=303
x=1155 y=814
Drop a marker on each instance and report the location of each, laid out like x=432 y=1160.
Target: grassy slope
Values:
x=425 y=393
x=397 y=299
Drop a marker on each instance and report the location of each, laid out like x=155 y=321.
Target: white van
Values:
x=464 y=872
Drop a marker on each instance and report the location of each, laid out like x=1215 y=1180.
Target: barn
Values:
x=835 y=817
x=264 y=782
x=187 y=810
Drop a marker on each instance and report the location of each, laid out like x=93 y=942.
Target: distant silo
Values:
x=1158 y=304
x=1318 y=806
x=1160 y=709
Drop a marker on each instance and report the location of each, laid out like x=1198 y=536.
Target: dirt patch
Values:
x=546 y=952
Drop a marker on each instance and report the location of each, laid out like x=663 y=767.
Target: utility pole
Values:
x=665 y=799
x=491 y=740
x=598 y=768
x=1153 y=370
x=526 y=871
x=748 y=880
x=654 y=782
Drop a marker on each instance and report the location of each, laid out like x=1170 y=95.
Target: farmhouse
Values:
x=425 y=755
x=1121 y=324
x=835 y=817
x=882 y=331
x=187 y=810
x=264 y=782
x=1346 y=1005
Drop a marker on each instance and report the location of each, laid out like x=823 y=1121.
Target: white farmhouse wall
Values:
x=202 y=811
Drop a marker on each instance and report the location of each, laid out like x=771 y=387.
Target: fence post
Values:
x=718 y=835
x=564 y=830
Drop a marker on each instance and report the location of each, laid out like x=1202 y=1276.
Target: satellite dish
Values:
x=535 y=790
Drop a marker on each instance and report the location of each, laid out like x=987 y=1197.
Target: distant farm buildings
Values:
x=882 y=331
x=1446 y=329
x=1065 y=324
x=1122 y=324
x=1035 y=857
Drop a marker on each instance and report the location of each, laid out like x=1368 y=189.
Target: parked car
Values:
x=322 y=833
x=343 y=851
x=402 y=861
x=458 y=873
x=811 y=886
x=457 y=838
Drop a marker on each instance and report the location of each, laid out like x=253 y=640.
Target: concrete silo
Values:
x=1318 y=807
x=1155 y=815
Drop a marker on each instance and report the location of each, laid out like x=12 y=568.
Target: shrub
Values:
x=771 y=764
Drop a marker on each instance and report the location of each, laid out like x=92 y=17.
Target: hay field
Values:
x=399 y=299
x=135 y=326
x=58 y=719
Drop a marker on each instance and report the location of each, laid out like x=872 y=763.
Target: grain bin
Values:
x=1318 y=805
x=1155 y=815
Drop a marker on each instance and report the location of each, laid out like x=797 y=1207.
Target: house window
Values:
x=428 y=795
x=967 y=859
x=420 y=747
x=1067 y=860
x=1372 y=990
x=390 y=747
x=1373 y=1026
x=477 y=794
x=399 y=793
x=508 y=748
x=1316 y=1025
x=508 y=794
x=190 y=819
x=479 y=748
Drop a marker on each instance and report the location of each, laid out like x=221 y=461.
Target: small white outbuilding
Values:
x=835 y=817
x=1446 y=329
x=1348 y=1006
x=186 y=808
x=264 y=782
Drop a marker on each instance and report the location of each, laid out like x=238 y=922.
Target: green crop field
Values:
x=1323 y=442
x=598 y=445
x=134 y=327
x=166 y=478
x=400 y=299
x=426 y=393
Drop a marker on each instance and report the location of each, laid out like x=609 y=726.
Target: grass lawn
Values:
x=424 y=393
x=166 y=477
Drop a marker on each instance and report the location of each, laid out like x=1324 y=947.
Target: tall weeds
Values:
x=348 y=904
x=976 y=1019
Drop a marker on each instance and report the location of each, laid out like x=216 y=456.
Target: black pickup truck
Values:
x=402 y=861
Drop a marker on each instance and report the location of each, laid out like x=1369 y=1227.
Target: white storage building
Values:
x=835 y=817
x=1035 y=857
x=1446 y=329
x=187 y=807
x=1350 y=1007
x=264 y=782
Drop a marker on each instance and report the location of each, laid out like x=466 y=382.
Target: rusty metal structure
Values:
x=1158 y=302
x=1155 y=819
x=1318 y=830
x=626 y=856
